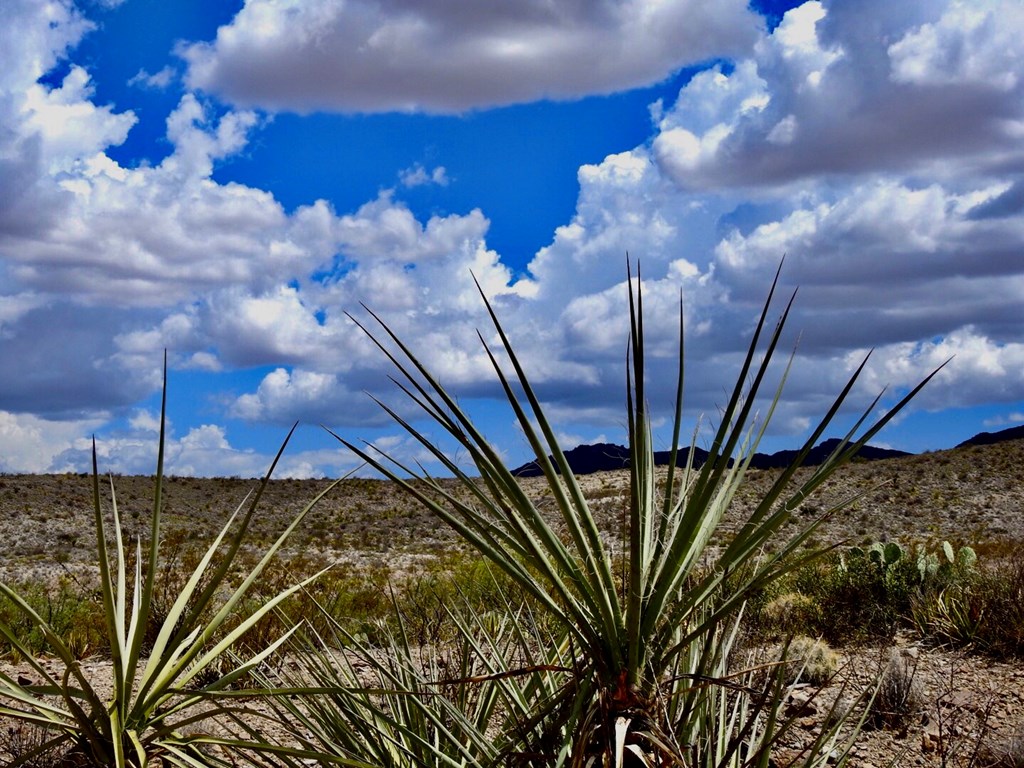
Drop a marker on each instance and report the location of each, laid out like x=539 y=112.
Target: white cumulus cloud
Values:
x=30 y=443
x=386 y=55
x=972 y=42
x=822 y=95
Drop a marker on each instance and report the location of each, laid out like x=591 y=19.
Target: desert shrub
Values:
x=367 y=600
x=425 y=596
x=859 y=597
x=984 y=612
x=811 y=660
x=370 y=601
x=360 y=598
x=899 y=698
x=998 y=599
x=789 y=613
x=355 y=596
x=868 y=593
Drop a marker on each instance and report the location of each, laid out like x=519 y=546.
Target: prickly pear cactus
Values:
x=886 y=553
x=948 y=565
x=927 y=565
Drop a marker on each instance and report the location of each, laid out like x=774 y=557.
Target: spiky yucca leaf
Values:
x=394 y=705
x=155 y=698
x=677 y=597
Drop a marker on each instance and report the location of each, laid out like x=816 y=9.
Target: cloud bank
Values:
x=878 y=150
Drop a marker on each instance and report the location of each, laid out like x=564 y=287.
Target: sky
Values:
x=230 y=181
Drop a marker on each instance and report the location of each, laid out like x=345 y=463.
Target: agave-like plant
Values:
x=642 y=658
x=390 y=703
x=162 y=696
x=393 y=704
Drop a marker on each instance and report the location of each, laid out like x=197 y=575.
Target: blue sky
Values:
x=227 y=180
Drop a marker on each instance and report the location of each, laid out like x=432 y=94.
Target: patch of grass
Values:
x=70 y=609
x=362 y=599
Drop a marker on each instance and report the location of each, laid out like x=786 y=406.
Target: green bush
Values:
x=868 y=593
x=982 y=610
x=860 y=594
x=70 y=609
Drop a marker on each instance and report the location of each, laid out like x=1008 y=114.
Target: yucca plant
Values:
x=640 y=649
x=164 y=695
x=393 y=704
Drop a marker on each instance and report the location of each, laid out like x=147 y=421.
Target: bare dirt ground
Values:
x=973 y=710
x=969 y=712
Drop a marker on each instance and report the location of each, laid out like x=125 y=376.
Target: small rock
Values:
x=784 y=758
x=964 y=700
x=800 y=704
x=931 y=736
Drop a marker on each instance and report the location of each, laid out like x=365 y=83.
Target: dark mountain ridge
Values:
x=991 y=438
x=603 y=457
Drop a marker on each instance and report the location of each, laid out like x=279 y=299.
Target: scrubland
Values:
x=971 y=684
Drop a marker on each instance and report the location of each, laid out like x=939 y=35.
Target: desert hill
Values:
x=605 y=457
x=991 y=438
x=966 y=494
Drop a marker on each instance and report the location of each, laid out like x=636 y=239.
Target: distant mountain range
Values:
x=989 y=438
x=602 y=457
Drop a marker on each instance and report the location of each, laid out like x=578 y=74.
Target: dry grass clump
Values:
x=25 y=744
x=899 y=700
x=811 y=660
x=790 y=613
